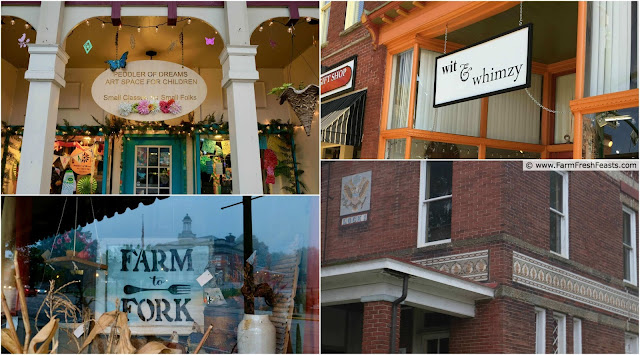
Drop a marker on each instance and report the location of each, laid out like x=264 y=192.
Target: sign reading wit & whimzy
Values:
x=497 y=65
x=149 y=90
x=339 y=78
x=356 y=194
x=158 y=287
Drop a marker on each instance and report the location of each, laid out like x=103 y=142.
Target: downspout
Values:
x=394 y=313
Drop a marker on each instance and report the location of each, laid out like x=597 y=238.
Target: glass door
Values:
x=153 y=169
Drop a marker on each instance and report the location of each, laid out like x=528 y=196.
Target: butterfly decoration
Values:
x=118 y=63
x=141 y=175
x=209 y=41
x=22 y=43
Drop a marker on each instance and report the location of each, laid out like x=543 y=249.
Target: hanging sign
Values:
x=158 y=286
x=82 y=161
x=497 y=65
x=339 y=78
x=149 y=90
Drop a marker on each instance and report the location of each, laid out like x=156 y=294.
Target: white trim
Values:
x=561 y=319
x=577 y=335
x=423 y=209
x=352 y=15
x=631 y=343
x=541 y=325
x=325 y=14
x=633 y=260
x=564 y=215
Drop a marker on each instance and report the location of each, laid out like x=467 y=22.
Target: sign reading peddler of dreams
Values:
x=157 y=287
x=149 y=90
x=493 y=66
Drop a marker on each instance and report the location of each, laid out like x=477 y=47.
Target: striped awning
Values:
x=342 y=119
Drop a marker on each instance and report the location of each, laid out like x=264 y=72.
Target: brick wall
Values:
x=376 y=328
x=369 y=72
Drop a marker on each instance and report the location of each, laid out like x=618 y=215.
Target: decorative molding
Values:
x=473 y=265
x=540 y=275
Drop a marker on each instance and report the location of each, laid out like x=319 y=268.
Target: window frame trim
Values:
x=541 y=327
x=423 y=209
x=564 y=221
x=561 y=318
x=325 y=16
x=632 y=231
x=350 y=14
x=577 y=335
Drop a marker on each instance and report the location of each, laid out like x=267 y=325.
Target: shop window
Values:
x=435 y=203
x=325 y=11
x=77 y=165
x=147 y=253
x=541 y=323
x=400 y=89
x=611 y=47
x=630 y=343
x=577 y=336
x=559 y=213
x=462 y=118
x=11 y=163
x=395 y=148
x=629 y=245
x=559 y=333
x=153 y=170
x=513 y=116
x=496 y=153
x=215 y=164
x=612 y=134
x=421 y=149
x=565 y=92
x=353 y=14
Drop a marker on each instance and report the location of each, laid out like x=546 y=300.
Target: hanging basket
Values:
x=303 y=103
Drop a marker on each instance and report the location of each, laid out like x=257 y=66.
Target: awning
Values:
x=342 y=119
x=44 y=213
x=380 y=280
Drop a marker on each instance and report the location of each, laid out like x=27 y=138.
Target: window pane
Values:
x=627 y=263
x=141 y=156
x=611 y=48
x=421 y=149
x=432 y=346
x=565 y=92
x=439 y=179
x=153 y=156
x=400 y=87
x=613 y=134
x=626 y=224
x=462 y=118
x=495 y=153
x=555 y=232
x=439 y=218
x=513 y=116
x=395 y=148
x=556 y=191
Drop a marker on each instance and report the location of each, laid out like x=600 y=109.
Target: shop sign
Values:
x=497 y=65
x=356 y=193
x=338 y=79
x=158 y=287
x=164 y=90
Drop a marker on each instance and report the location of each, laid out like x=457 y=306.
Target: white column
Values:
x=45 y=74
x=238 y=75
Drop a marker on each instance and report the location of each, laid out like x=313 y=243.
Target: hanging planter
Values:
x=302 y=101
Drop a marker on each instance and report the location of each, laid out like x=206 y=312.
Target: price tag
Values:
x=204 y=278
x=79 y=331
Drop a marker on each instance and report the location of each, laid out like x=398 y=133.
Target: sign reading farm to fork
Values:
x=157 y=286
x=356 y=194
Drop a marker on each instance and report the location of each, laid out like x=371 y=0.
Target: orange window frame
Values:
x=434 y=16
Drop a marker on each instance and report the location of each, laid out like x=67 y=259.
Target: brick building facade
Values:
x=493 y=265
x=342 y=44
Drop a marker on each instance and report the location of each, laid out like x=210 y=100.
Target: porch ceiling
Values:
x=379 y=279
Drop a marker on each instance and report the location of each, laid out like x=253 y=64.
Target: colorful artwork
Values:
x=82 y=161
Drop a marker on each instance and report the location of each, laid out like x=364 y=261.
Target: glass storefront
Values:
x=175 y=265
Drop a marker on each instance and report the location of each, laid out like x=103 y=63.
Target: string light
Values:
x=102 y=25
x=189 y=21
x=270 y=22
x=13 y=21
x=87 y=22
x=156 y=29
x=26 y=26
x=308 y=19
x=139 y=29
x=119 y=27
x=260 y=29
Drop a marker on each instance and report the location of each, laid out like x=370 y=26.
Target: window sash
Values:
x=560 y=334
x=353 y=13
x=325 y=13
x=629 y=246
x=559 y=213
x=423 y=223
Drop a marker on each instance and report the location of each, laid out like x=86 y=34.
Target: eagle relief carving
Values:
x=356 y=190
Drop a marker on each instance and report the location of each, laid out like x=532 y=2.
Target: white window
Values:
x=541 y=321
x=434 y=226
x=577 y=336
x=325 y=9
x=559 y=333
x=354 y=12
x=559 y=213
x=629 y=244
x=630 y=343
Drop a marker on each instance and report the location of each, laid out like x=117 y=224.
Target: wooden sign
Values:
x=149 y=90
x=158 y=287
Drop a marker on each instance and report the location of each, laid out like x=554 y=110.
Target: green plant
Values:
x=279 y=89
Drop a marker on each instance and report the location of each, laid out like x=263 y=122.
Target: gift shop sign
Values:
x=158 y=287
x=494 y=66
x=152 y=81
x=338 y=79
